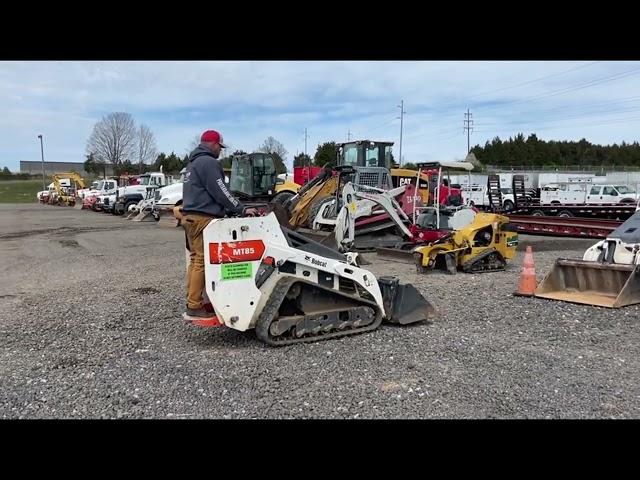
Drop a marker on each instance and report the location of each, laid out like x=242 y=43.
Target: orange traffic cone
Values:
x=527 y=286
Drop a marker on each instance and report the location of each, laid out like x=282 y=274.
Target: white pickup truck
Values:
x=562 y=193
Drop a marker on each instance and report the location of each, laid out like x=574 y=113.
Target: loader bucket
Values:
x=78 y=204
x=396 y=254
x=601 y=284
x=403 y=304
x=144 y=216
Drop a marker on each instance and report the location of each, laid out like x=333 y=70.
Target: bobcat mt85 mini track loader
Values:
x=260 y=275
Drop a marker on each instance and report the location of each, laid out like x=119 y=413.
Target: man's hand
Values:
x=251 y=212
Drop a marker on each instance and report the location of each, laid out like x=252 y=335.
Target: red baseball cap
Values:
x=213 y=137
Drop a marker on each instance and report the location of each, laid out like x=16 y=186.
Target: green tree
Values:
x=325 y=154
x=6 y=171
x=171 y=164
x=93 y=166
x=301 y=160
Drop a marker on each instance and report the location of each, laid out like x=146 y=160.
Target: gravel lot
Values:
x=90 y=327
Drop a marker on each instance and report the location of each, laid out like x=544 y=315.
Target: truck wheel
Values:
x=282 y=197
x=128 y=205
x=565 y=213
x=508 y=205
x=537 y=213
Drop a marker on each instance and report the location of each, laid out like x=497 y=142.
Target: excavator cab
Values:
x=254 y=178
x=365 y=153
x=253 y=175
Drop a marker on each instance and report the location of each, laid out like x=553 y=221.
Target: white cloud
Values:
x=248 y=101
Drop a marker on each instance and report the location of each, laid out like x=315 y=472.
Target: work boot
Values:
x=199 y=314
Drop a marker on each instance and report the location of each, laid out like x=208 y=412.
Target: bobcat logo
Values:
x=307 y=258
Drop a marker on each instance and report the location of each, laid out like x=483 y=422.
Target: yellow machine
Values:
x=367 y=157
x=64 y=194
x=483 y=245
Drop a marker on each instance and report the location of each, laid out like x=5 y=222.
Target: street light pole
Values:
x=42 y=154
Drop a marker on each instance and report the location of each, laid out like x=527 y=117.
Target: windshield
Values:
x=144 y=180
x=241 y=176
x=371 y=155
x=350 y=155
x=99 y=185
x=624 y=189
x=506 y=191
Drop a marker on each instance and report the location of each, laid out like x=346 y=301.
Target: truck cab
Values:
x=99 y=187
x=128 y=197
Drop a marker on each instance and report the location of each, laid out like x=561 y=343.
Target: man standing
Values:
x=205 y=197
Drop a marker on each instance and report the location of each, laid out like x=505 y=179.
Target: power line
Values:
x=562 y=91
x=535 y=80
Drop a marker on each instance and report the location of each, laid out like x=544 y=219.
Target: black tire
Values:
x=508 y=205
x=129 y=203
x=282 y=197
x=538 y=213
x=565 y=214
x=314 y=208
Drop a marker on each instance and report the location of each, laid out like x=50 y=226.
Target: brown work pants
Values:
x=194 y=224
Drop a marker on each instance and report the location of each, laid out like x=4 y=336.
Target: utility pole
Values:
x=401 y=117
x=468 y=126
x=140 y=156
x=349 y=135
x=42 y=153
x=305 y=154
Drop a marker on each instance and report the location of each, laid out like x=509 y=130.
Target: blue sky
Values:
x=249 y=101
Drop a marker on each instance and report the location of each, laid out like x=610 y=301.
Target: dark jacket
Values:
x=204 y=190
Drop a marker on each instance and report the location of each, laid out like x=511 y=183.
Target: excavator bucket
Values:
x=404 y=304
x=601 y=284
x=78 y=203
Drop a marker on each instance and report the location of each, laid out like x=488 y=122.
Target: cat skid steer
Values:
x=260 y=275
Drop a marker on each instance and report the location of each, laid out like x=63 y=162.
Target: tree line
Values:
x=118 y=142
x=534 y=152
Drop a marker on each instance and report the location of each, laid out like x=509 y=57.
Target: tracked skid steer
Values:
x=290 y=289
x=607 y=275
